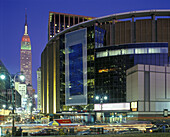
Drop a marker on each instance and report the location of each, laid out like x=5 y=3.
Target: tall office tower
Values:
x=39 y=89
x=60 y=21
x=26 y=55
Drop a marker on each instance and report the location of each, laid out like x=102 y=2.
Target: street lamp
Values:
x=12 y=86
x=35 y=96
x=101 y=99
x=4 y=106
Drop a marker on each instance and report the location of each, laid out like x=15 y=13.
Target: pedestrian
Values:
x=7 y=132
x=163 y=128
x=20 y=129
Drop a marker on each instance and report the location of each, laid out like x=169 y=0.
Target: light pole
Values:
x=35 y=96
x=101 y=99
x=12 y=86
x=4 y=106
x=30 y=104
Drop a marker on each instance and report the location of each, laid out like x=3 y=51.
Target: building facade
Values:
x=26 y=55
x=111 y=64
x=22 y=90
x=4 y=85
x=91 y=58
x=60 y=21
x=148 y=87
x=39 y=89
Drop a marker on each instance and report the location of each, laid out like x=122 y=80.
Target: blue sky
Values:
x=12 y=18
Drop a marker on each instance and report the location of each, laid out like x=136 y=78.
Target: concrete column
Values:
x=133 y=30
x=49 y=28
x=112 y=32
x=54 y=25
x=73 y=20
x=153 y=28
x=69 y=21
x=64 y=21
x=58 y=105
x=59 y=23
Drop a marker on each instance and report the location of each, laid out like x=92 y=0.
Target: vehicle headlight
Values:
x=151 y=130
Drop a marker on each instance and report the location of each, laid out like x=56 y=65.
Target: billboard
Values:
x=76 y=67
x=112 y=106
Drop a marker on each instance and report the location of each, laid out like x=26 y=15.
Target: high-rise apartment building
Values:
x=60 y=21
x=26 y=55
x=22 y=89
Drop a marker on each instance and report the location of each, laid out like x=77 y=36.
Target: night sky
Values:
x=12 y=18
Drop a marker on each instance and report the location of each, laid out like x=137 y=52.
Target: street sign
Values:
x=11 y=115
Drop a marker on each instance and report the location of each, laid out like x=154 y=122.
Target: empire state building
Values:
x=26 y=55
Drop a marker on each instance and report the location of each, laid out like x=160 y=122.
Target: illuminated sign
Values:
x=165 y=112
x=61 y=121
x=112 y=106
x=134 y=106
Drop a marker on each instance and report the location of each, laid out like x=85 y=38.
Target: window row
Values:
x=131 y=51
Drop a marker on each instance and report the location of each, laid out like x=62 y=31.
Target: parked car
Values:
x=45 y=132
x=86 y=132
x=163 y=128
x=154 y=128
x=129 y=131
x=105 y=131
x=96 y=130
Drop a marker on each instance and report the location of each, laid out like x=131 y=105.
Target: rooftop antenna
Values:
x=25 y=16
x=26 y=26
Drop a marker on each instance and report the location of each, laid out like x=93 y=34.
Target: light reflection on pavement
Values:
x=110 y=127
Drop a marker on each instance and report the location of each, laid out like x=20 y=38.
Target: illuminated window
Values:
x=157 y=50
x=141 y=51
x=131 y=51
x=127 y=51
x=103 y=70
x=164 y=50
x=114 y=52
x=90 y=57
x=90 y=82
x=102 y=54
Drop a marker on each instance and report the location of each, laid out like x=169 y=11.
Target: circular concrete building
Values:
x=91 y=58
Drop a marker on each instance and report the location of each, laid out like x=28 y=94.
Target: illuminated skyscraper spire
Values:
x=26 y=26
x=26 y=55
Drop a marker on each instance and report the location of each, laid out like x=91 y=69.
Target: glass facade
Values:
x=90 y=67
x=76 y=68
x=99 y=37
x=111 y=64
